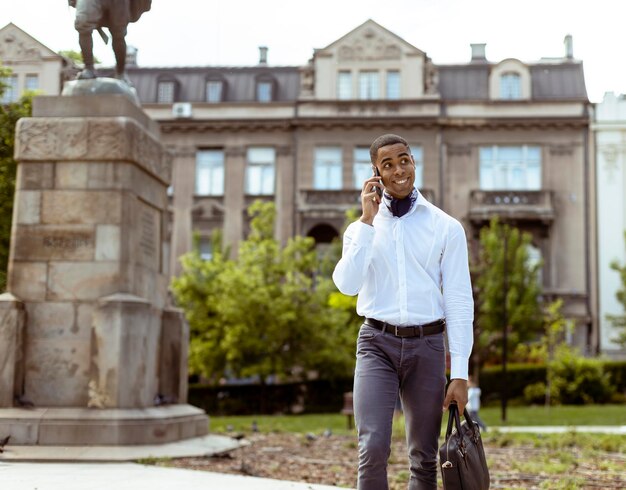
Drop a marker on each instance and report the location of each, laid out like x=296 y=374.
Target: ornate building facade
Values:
x=508 y=139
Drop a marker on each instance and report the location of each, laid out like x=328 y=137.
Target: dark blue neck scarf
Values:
x=399 y=207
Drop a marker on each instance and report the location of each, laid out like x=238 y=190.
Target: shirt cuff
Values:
x=459 y=368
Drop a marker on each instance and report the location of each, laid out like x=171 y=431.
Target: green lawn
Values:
x=560 y=415
x=516 y=416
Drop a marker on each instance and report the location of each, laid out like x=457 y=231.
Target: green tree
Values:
x=9 y=115
x=619 y=321
x=265 y=313
x=507 y=290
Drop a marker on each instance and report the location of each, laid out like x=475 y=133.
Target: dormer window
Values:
x=167 y=89
x=510 y=80
x=510 y=86
x=265 y=88
x=214 y=91
x=264 y=91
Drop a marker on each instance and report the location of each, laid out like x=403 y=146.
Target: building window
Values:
x=510 y=86
x=362 y=168
x=510 y=167
x=260 y=171
x=327 y=168
x=10 y=93
x=418 y=156
x=369 y=85
x=534 y=259
x=165 y=92
x=344 y=85
x=214 y=90
x=393 y=85
x=32 y=82
x=264 y=91
x=210 y=173
x=205 y=248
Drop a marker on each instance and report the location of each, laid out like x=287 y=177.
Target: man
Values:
x=408 y=262
x=114 y=14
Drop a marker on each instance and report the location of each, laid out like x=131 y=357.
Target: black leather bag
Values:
x=461 y=456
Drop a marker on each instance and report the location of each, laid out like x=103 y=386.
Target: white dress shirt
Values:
x=412 y=270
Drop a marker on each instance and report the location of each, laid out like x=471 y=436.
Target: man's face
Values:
x=397 y=169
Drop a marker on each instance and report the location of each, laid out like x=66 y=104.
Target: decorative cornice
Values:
x=370 y=115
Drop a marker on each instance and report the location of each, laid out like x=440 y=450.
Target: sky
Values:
x=229 y=32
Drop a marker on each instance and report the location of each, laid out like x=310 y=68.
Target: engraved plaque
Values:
x=148 y=236
x=54 y=243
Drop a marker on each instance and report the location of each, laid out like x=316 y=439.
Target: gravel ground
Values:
x=330 y=460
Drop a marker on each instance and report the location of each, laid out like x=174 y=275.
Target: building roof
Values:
x=550 y=81
x=239 y=82
x=558 y=81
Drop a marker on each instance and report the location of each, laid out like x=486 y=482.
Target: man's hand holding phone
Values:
x=371 y=196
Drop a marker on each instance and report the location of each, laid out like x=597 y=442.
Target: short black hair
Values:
x=385 y=140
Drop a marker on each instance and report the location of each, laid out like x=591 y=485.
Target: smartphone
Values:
x=379 y=191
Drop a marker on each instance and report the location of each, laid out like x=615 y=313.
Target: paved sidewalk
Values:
x=130 y=476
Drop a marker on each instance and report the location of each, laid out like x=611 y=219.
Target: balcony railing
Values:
x=340 y=200
x=516 y=205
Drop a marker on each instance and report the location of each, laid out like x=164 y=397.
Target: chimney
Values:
x=262 y=55
x=478 y=53
x=569 y=47
x=131 y=56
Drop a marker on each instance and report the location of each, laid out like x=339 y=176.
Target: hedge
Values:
x=319 y=396
x=326 y=396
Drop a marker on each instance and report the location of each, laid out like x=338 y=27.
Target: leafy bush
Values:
x=579 y=380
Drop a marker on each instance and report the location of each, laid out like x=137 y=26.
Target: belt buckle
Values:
x=396 y=330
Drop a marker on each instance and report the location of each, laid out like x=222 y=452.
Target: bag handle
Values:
x=454 y=418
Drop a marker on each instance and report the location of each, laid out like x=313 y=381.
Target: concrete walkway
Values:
x=130 y=476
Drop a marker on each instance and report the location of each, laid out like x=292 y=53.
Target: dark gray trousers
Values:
x=415 y=368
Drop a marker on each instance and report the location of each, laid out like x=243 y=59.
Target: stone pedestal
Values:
x=88 y=266
x=11 y=348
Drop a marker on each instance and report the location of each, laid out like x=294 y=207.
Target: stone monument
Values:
x=89 y=346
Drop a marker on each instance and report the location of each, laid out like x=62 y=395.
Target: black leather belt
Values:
x=431 y=328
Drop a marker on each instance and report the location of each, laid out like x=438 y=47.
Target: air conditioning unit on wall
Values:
x=181 y=110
